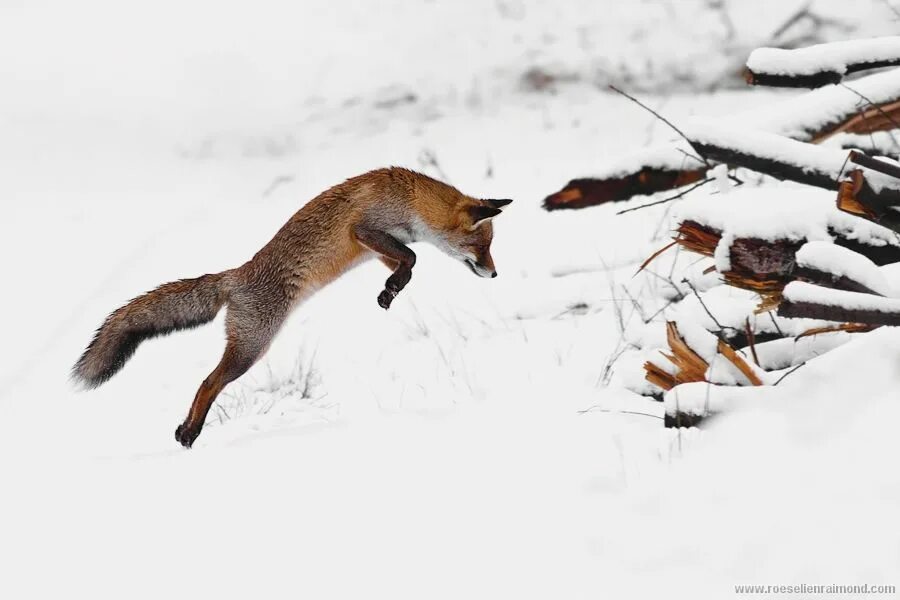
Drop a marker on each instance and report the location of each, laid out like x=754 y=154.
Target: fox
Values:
x=373 y=215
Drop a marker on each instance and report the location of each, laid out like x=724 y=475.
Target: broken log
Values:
x=821 y=64
x=833 y=266
x=580 y=193
x=703 y=239
x=766 y=267
x=804 y=300
x=856 y=197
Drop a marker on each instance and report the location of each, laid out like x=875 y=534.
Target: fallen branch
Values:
x=581 y=193
x=821 y=64
x=804 y=300
x=832 y=266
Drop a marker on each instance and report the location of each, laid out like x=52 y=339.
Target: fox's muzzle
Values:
x=480 y=270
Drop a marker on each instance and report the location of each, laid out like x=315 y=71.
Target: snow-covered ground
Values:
x=478 y=440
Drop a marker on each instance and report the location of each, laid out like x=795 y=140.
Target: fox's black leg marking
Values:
x=392 y=249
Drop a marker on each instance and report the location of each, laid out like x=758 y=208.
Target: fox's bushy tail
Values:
x=170 y=307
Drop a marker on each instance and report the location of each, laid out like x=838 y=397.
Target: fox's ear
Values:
x=481 y=214
x=498 y=203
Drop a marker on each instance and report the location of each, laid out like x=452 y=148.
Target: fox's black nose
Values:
x=493 y=274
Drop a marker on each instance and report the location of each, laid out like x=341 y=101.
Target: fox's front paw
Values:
x=385 y=298
x=186 y=435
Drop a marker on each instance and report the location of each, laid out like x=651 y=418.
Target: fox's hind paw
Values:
x=385 y=298
x=186 y=435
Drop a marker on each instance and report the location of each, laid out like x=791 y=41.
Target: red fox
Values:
x=372 y=215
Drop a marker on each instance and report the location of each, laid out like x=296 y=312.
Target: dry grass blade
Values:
x=653 y=256
x=848 y=327
x=751 y=340
x=738 y=361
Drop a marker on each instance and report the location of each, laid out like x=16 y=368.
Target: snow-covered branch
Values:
x=821 y=64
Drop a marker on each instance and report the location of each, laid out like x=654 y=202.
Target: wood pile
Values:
x=837 y=281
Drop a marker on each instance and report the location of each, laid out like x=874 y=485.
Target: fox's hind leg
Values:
x=249 y=336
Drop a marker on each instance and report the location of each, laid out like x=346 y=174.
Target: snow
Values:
x=800 y=291
x=842 y=262
x=437 y=450
x=720 y=174
x=787 y=352
x=665 y=157
x=834 y=57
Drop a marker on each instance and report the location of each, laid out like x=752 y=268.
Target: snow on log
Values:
x=766 y=267
x=690 y=403
x=819 y=114
x=784 y=158
x=822 y=64
x=805 y=300
x=783 y=353
x=779 y=212
x=839 y=268
x=767 y=153
x=754 y=235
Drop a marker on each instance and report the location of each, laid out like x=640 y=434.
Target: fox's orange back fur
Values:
x=372 y=214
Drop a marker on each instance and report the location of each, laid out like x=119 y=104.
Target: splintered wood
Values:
x=689 y=366
x=857 y=196
x=765 y=267
x=756 y=265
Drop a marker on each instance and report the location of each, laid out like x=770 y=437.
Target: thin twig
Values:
x=691 y=156
x=669 y=199
x=653 y=256
x=788 y=373
x=664 y=307
x=624 y=412
x=775 y=323
x=661 y=118
x=892 y=8
x=703 y=304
